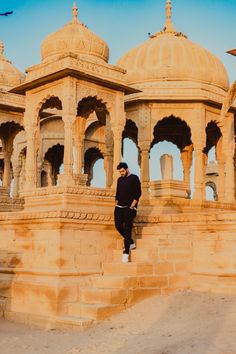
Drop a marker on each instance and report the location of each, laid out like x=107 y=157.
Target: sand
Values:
x=183 y=323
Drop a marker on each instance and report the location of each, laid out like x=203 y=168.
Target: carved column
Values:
x=68 y=149
x=79 y=143
x=69 y=117
x=199 y=173
x=145 y=175
x=117 y=118
x=7 y=168
x=221 y=171
x=186 y=157
x=229 y=148
x=117 y=151
x=108 y=155
x=16 y=174
x=31 y=157
x=199 y=141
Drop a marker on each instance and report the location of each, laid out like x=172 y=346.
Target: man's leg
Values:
x=129 y=216
x=119 y=220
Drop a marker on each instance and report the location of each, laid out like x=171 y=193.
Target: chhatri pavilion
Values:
x=60 y=256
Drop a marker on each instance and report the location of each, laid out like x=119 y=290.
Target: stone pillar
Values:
x=145 y=174
x=108 y=167
x=79 y=143
x=117 y=127
x=229 y=174
x=31 y=157
x=7 y=168
x=67 y=177
x=199 y=173
x=221 y=171
x=186 y=157
x=229 y=149
x=108 y=155
x=117 y=131
x=198 y=131
x=16 y=174
x=166 y=162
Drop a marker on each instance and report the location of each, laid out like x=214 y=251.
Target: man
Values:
x=128 y=192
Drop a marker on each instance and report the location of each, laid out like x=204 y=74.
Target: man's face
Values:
x=123 y=172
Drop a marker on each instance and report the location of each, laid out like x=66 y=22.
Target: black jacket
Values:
x=128 y=188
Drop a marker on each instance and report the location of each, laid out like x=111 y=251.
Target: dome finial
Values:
x=168 y=24
x=75 y=13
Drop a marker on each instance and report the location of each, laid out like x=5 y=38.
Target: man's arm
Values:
x=137 y=192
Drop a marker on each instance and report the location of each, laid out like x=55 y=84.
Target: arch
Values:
x=213 y=134
x=48 y=102
x=91 y=155
x=131 y=155
x=91 y=104
x=212 y=185
x=55 y=156
x=157 y=151
x=174 y=130
x=8 y=129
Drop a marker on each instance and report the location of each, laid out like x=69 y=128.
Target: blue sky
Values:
x=123 y=24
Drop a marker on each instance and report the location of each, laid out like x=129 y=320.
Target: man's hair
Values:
x=122 y=165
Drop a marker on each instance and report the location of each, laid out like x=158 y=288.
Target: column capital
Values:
x=144 y=145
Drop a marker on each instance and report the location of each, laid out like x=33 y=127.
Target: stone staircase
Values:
x=122 y=284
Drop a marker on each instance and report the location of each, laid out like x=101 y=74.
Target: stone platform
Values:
x=61 y=266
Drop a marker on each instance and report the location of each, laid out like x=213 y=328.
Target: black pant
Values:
x=123 y=222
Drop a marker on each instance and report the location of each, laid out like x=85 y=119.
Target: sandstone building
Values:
x=60 y=257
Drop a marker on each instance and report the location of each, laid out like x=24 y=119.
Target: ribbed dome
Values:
x=9 y=75
x=169 y=56
x=74 y=38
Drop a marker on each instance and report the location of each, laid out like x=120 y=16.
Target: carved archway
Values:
x=212 y=185
x=55 y=156
x=91 y=156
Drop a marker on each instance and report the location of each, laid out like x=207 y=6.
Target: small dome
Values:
x=74 y=38
x=9 y=75
x=169 y=56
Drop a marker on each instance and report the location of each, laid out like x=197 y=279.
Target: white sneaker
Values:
x=125 y=258
x=132 y=246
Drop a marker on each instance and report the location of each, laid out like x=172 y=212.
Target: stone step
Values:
x=131 y=268
x=94 y=311
x=129 y=282
x=147 y=230
x=147 y=243
x=114 y=282
x=138 y=255
x=73 y=323
x=100 y=311
x=103 y=296
x=136 y=295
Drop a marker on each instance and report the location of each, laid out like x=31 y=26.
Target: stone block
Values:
x=163 y=268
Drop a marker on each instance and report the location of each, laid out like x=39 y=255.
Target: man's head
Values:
x=123 y=169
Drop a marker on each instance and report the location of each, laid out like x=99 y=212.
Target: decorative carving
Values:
x=96 y=91
x=75 y=63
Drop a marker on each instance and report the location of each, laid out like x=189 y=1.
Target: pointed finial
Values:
x=75 y=13
x=168 y=24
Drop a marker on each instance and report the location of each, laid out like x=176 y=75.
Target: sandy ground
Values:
x=184 y=323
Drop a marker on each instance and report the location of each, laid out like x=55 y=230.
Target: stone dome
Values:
x=171 y=56
x=9 y=75
x=74 y=38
